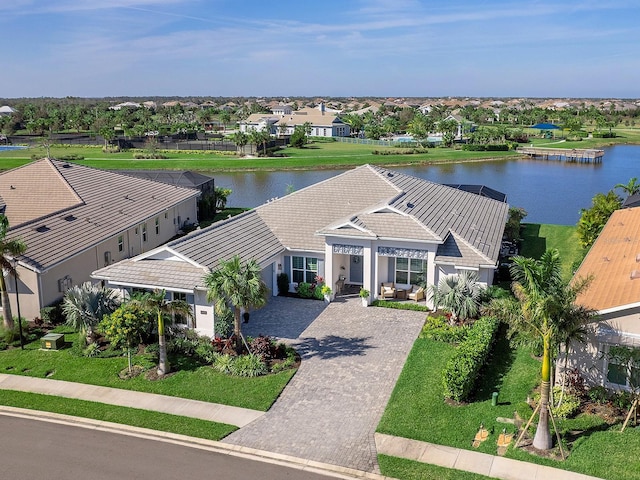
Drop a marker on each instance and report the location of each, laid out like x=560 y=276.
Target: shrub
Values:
x=248 y=366
x=223 y=363
x=305 y=290
x=438 y=328
x=263 y=347
x=283 y=284
x=91 y=350
x=622 y=400
x=462 y=369
x=474 y=147
x=206 y=352
x=400 y=306
x=52 y=314
x=598 y=394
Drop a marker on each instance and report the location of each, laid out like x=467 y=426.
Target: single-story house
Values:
x=283 y=121
x=75 y=219
x=613 y=264
x=364 y=227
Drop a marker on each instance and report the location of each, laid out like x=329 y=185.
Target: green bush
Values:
x=438 y=328
x=52 y=314
x=248 y=366
x=305 y=290
x=474 y=147
x=283 y=284
x=223 y=363
x=598 y=394
x=462 y=369
x=400 y=306
x=569 y=406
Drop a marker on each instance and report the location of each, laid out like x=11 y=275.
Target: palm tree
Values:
x=240 y=139
x=238 y=285
x=460 y=294
x=9 y=250
x=632 y=187
x=85 y=305
x=544 y=309
x=156 y=303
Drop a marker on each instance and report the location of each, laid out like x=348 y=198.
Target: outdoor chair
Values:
x=416 y=293
x=387 y=290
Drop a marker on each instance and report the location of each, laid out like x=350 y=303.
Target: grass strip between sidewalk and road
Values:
x=123 y=415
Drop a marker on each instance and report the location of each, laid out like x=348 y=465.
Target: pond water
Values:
x=10 y=147
x=550 y=191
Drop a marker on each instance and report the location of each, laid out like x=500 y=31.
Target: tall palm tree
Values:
x=544 y=309
x=9 y=250
x=85 y=305
x=238 y=285
x=156 y=303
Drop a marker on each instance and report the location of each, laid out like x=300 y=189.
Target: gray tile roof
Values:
x=73 y=207
x=246 y=235
x=153 y=273
x=456 y=251
x=178 y=178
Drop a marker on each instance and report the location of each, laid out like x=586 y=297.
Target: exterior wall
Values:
x=203 y=314
x=27 y=293
x=288 y=267
x=41 y=290
x=588 y=358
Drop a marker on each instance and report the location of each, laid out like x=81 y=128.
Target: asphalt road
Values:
x=35 y=449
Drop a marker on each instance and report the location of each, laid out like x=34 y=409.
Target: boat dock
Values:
x=571 y=155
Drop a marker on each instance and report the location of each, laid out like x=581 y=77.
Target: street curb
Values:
x=193 y=442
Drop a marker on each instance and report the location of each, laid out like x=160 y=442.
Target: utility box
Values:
x=52 y=341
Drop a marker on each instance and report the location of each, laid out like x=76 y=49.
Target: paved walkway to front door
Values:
x=352 y=357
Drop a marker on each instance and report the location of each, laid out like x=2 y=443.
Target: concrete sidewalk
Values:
x=470 y=461
x=212 y=412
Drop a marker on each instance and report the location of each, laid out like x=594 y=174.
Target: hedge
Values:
x=401 y=306
x=475 y=147
x=462 y=369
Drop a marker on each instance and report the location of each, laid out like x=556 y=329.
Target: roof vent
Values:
x=635 y=274
x=42 y=229
x=389 y=174
x=637 y=257
x=410 y=205
x=70 y=218
x=66 y=165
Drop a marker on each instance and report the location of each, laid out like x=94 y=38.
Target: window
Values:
x=157 y=226
x=304 y=269
x=623 y=366
x=178 y=318
x=409 y=271
x=121 y=243
x=144 y=232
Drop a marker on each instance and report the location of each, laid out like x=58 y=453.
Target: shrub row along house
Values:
x=75 y=219
x=364 y=227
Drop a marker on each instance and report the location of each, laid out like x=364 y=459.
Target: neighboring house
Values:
x=75 y=219
x=283 y=121
x=7 y=110
x=613 y=263
x=363 y=227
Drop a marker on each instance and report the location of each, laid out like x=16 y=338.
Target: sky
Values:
x=353 y=48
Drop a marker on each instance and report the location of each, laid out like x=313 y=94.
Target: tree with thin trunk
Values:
x=160 y=306
x=237 y=285
x=541 y=310
x=10 y=249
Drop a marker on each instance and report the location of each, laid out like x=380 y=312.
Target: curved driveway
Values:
x=352 y=357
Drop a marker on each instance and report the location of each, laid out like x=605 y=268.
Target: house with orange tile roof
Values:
x=75 y=219
x=613 y=264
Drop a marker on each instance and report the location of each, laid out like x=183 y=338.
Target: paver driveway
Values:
x=352 y=357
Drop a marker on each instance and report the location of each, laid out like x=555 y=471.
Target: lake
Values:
x=550 y=191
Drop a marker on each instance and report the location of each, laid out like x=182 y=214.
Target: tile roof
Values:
x=365 y=202
x=70 y=207
x=614 y=263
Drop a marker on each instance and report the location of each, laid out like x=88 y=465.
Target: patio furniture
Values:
x=401 y=293
x=416 y=293
x=387 y=290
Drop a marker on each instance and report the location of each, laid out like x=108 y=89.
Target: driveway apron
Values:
x=351 y=359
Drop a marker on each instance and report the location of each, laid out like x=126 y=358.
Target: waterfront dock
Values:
x=575 y=155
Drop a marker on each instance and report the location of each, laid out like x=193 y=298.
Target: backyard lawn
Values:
x=536 y=238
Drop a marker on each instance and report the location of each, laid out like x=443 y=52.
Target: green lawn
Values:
x=536 y=238
x=110 y=413
x=188 y=380
x=315 y=156
x=417 y=410
x=410 y=470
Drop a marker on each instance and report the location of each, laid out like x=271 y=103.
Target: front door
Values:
x=355 y=270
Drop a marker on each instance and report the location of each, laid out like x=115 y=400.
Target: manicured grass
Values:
x=123 y=415
x=315 y=156
x=409 y=470
x=537 y=238
x=188 y=380
x=417 y=410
